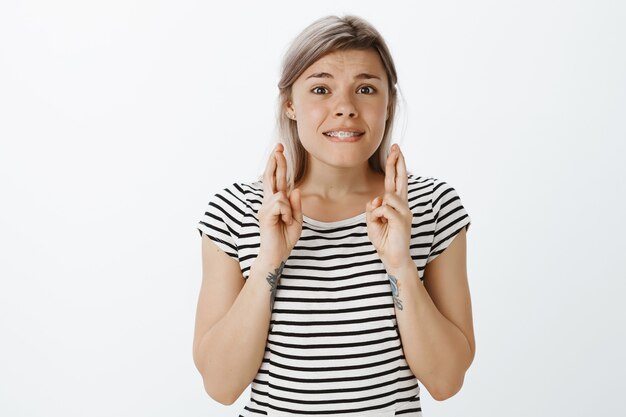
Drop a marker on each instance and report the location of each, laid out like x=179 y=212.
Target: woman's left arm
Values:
x=435 y=319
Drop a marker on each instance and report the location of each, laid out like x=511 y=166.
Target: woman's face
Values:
x=344 y=91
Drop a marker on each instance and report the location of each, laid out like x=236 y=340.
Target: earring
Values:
x=291 y=116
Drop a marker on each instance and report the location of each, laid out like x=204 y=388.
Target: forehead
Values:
x=351 y=61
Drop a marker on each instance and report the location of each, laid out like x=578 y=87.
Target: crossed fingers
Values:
x=275 y=175
x=396 y=180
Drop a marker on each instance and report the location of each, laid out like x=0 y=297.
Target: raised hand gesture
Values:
x=389 y=218
x=280 y=215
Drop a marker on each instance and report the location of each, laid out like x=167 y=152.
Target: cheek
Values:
x=315 y=115
x=377 y=117
x=310 y=120
x=311 y=109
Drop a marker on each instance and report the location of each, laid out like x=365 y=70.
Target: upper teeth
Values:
x=342 y=134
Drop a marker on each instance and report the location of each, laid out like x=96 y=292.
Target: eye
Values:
x=371 y=89
x=317 y=89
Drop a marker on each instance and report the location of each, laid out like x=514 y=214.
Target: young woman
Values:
x=338 y=280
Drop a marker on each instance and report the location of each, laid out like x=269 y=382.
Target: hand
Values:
x=389 y=218
x=280 y=216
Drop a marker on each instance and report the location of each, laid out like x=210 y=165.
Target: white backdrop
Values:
x=119 y=119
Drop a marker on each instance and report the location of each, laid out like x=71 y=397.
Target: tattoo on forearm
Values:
x=395 y=291
x=272 y=279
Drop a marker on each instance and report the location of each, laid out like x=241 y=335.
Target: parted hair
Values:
x=325 y=35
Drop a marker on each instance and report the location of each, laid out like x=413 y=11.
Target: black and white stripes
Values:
x=333 y=345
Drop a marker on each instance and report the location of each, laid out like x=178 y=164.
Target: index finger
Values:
x=402 y=180
x=269 y=187
x=281 y=171
x=390 y=171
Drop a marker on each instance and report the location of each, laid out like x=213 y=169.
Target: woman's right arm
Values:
x=232 y=319
x=232 y=322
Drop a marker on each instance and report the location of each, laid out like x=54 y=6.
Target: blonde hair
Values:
x=323 y=36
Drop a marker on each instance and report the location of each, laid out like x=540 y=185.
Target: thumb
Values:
x=370 y=207
x=296 y=205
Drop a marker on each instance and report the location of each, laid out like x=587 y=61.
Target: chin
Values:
x=344 y=161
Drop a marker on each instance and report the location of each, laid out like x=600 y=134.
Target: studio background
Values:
x=120 y=119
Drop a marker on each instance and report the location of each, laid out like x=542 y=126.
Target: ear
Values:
x=289 y=107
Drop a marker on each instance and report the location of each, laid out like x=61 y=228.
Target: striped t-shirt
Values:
x=333 y=346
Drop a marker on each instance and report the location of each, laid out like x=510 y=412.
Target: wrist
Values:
x=402 y=268
x=267 y=262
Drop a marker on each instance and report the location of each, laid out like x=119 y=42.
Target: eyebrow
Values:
x=361 y=76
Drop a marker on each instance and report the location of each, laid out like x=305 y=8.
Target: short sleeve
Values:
x=222 y=218
x=449 y=217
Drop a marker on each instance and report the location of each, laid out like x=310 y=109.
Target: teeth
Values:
x=342 y=134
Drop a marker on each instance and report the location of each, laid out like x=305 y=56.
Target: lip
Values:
x=344 y=129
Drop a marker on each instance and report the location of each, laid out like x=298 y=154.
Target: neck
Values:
x=334 y=183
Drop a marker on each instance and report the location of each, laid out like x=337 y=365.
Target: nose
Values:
x=344 y=105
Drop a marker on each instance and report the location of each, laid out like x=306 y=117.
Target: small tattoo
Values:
x=395 y=291
x=272 y=279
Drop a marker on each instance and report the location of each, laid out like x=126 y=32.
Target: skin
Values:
x=434 y=319
x=342 y=177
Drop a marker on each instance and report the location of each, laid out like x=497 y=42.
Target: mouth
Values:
x=343 y=136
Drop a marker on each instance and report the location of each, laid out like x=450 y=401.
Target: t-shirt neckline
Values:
x=338 y=223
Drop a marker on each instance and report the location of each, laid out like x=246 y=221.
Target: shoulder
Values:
x=423 y=188
x=437 y=201
x=436 y=190
x=430 y=184
x=238 y=194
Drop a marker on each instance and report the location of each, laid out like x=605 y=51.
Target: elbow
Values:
x=446 y=390
x=442 y=395
x=215 y=386
x=220 y=393
x=450 y=387
x=219 y=389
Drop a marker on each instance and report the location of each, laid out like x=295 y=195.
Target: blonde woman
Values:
x=336 y=283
